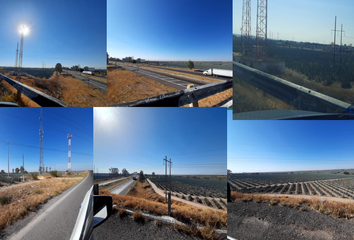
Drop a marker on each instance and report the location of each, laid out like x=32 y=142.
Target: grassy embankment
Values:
x=17 y=201
x=142 y=198
x=126 y=86
x=335 y=209
x=63 y=87
x=334 y=90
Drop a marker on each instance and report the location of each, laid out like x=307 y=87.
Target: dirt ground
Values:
x=250 y=220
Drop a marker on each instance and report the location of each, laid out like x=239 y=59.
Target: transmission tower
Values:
x=246 y=26
x=261 y=32
x=21 y=49
x=69 y=153
x=16 y=56
x=41 y=164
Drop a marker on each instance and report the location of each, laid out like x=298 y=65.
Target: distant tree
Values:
x=2 y=171
x=17 y=170
x=141 y=176
x=86 y=68
x=54 y=173
x=153 y=173
x=58 y=67
x=346 y=173
x=229 y=171
x=107 y=57
x=190 y=64
x=125 y=172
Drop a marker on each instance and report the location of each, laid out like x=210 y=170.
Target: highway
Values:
x=56 y=218
x=189 y=72
x=116 y=180
x=123 y=188
x=102 y=86
x=178 y=83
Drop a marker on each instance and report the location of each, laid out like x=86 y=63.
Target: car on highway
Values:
x=94 y=210
x=134 y=178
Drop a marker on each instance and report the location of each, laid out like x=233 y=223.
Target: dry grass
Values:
x=215 y=99
x=9 y=94
x=181 y=211
x=79 y=94
x=203 y=233
x=144 y=190
x=249 y=98
x=333 y=208
x=122 y=212
x=65 y=88
x=138 y=217
x=125 y=86
x=90 y=76
x=335 y=90
x=25 y=198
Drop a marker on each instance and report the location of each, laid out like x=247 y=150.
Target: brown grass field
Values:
x=335 y=90
x=17 y=201
x=71 y=91
x=126 y=86
x=142 y=198
x=249 y=98
x=336 y=209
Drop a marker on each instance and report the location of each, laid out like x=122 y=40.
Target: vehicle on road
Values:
x=218 y=72
x=134 y=178
x=88 y=72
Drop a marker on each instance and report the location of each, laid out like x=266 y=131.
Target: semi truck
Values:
x=218 y=72
x=88 y=72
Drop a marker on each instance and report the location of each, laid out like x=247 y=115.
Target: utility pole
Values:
x=165 y=161
x=261 y=31
x=16 y=58
x=41 y=165
x=23 y=165
x=8 y=163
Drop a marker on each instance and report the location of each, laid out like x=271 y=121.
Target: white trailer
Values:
x=218 y=72
x=88 y=72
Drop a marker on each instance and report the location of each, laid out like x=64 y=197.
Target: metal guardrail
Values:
x=42 y=99
x=179 y=98
x=298 y=96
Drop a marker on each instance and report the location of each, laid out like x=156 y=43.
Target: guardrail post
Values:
x=193 y=104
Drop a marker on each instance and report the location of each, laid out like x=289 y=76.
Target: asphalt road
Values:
x=93 y=82
x=108 y=182
x=123 y=188
x=169 y=80
x=192 y=73
x=55 y=219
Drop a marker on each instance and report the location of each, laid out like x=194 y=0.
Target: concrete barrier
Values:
x=298 y=96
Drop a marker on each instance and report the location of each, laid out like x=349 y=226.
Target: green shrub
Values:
x=34 y=175
x=54 y=173
x=346 y=173
x=5 y=200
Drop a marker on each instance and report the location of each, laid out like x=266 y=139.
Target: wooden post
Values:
x=193 y=104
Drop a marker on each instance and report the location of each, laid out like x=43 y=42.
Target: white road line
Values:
x=21 y=234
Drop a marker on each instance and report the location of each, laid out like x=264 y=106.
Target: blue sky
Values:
x=139 y=138
x=69 y=32
x=170 y=30
x=305 y=20
x=20 y=127
x=273 y=146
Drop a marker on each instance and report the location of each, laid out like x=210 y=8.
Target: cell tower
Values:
x=69 y=153
x=41 y=164
x=16 y=56
x=261 y=32
x=21 y=49
x=246 y=26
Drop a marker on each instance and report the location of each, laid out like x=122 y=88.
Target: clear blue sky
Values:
x=305 y=20
x=273 y=146
x=69 y=32
x=20 y=127
x=199 y=30
x=139 y=138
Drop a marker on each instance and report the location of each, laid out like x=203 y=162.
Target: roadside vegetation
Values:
x=18 y=200
x=125 y=86
x=61 y=86
x=336 y=209
x=141 y=198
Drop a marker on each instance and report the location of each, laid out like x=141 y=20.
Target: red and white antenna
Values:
x=69 y=153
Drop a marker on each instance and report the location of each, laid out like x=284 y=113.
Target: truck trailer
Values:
x=218 y=72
